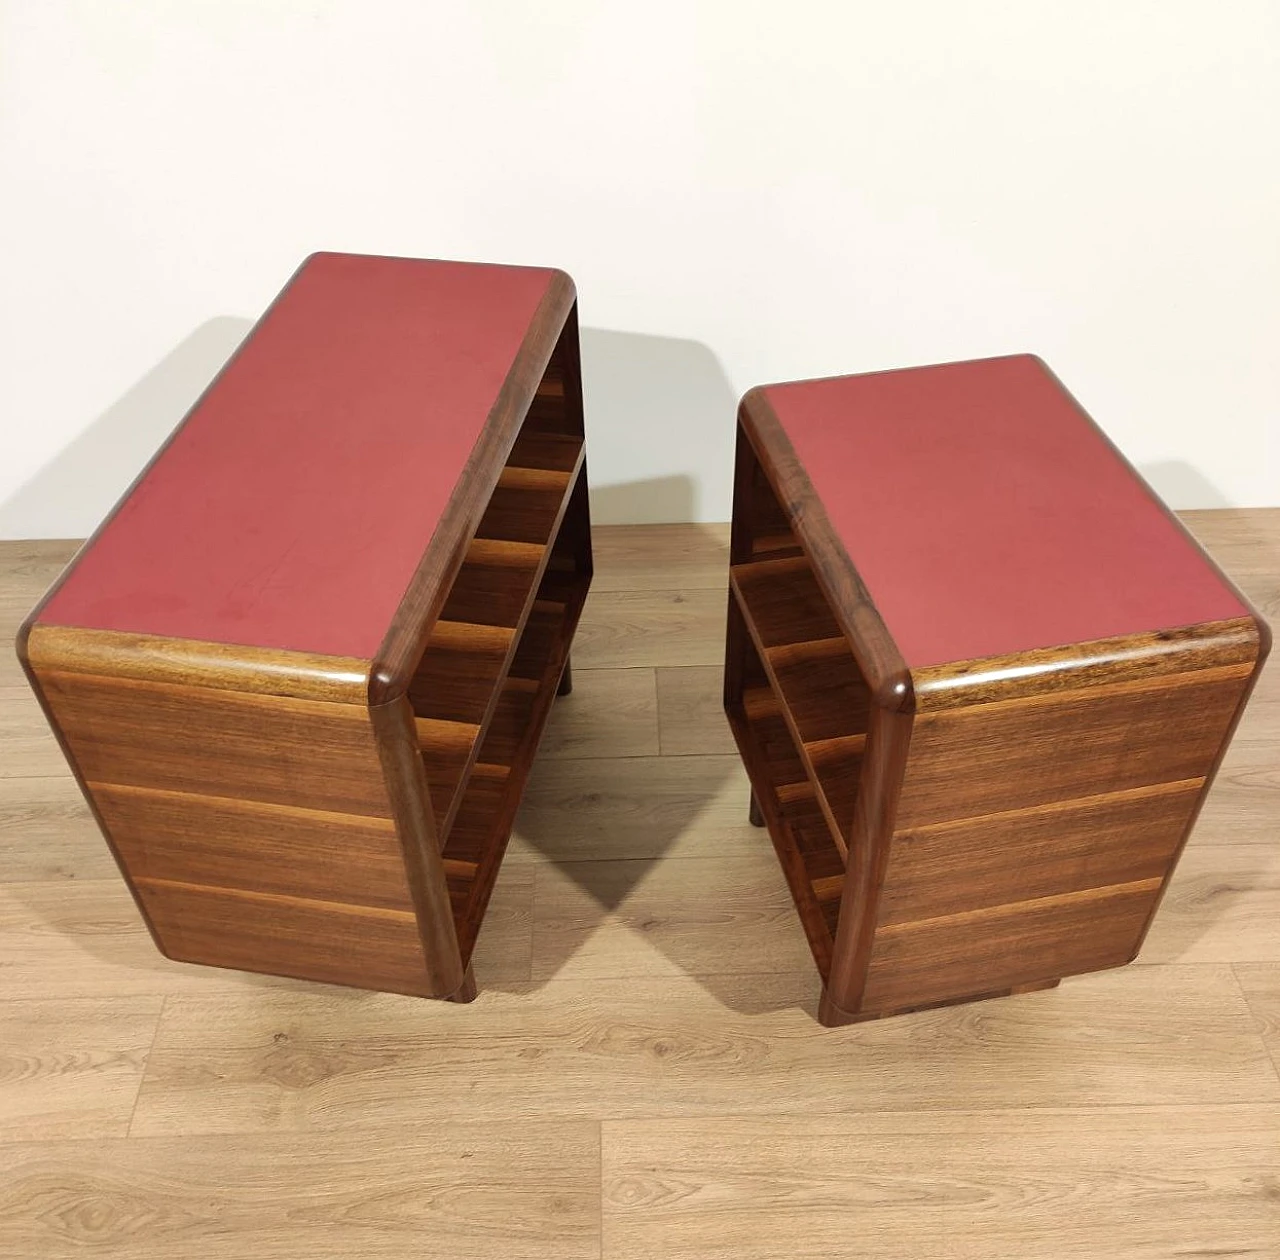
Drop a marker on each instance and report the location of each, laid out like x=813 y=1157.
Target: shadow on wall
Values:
x=1182 y=486
x=71 y=494
x=660 y=429
x=660 y=415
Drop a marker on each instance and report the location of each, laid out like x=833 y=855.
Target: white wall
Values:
x=744 y=191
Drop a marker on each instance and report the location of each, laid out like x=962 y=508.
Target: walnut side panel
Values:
x=1024 y=854
x=289 y=936
x=982 y=951
x=255 y=831
x=989 y=758
x=307 y=753
x=254 y=846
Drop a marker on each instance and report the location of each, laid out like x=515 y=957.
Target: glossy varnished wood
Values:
x=286 y=811
x=962 y=829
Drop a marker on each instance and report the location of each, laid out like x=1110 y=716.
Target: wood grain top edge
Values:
x=1125 y=658
x=191 y=663
x=420 y=606
x=873 y=647
x=1135 y=685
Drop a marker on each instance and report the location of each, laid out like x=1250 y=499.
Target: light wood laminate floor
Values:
x=642 y=1074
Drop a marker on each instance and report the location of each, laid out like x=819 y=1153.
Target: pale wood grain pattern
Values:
x=633 y=628
x=463 y=1191
x=660 y=557
x=691 y=711
x=1128 y=1113
x=1223 y=905
x=29 y=748
x=84 y=938
x=967 y=1185
x=724 y=915
x=692 y=1045
x=71 y=1068
x=1260 y=983
x=610 y=713
x=635 y=807
x=47 y=832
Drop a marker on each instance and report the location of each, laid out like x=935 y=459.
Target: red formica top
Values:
x=986 y=514
x=292 y=507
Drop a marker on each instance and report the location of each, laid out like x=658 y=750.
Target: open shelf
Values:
x=805 y=658
x=477 y=839
x=491 y=666
x=811 y=861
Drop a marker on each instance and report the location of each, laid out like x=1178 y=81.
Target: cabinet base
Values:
x=832 y=1016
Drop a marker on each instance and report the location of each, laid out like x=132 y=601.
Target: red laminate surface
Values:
x=986 y=514
x=291 y=509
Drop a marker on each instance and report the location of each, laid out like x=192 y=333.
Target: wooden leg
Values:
x=754 y=816
x=566 y=679
x=467 y=990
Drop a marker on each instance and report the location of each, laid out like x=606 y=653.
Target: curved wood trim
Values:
x=1106 y=661
x=877 y=654
x=406 y=782
x=222 y=666
x=406 y=638
x=870 y=841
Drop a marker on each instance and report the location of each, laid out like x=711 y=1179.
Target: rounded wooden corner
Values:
x=386 y=685
x=566 y=283
x=22 y=641
x=748 y=404
x=1263 y=630
x=894 y=691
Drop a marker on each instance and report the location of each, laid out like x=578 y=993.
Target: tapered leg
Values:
x=754 y=816
x=566 y=679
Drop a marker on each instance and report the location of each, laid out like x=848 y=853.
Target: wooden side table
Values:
x=302 y=669
x=980 y=677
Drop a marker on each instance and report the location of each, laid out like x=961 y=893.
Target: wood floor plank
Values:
x=721 y=915
x=636 y=807
x=1223 y=905
x=1243 y=806
x=691 y=1046
x=27 y=746
x=1260 y=983
x=691 y=716
x=504 y=949
x=459 y=1190
x=610 y=713
x=660 y=557
x=47 y=832
x=71 y=1068
x=965 y=1185
x=621 y=629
